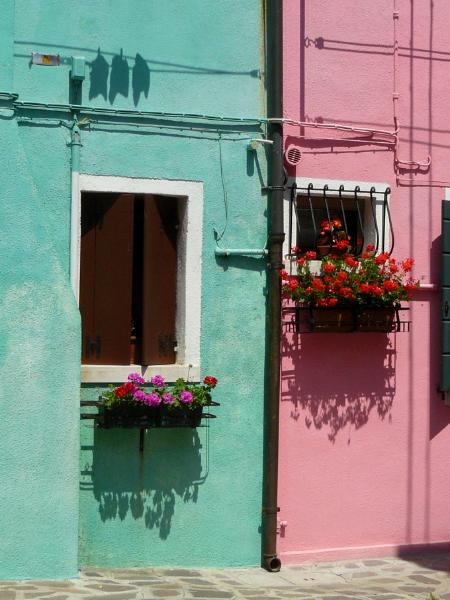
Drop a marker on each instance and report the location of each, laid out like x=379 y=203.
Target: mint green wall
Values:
x=39 y=354
x=194 y=498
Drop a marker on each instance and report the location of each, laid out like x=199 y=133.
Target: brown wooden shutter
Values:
x=159 y=280
x=106 y=278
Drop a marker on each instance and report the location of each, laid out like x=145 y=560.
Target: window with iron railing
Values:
x=323 y=218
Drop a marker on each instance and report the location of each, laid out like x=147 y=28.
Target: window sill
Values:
x=119 y=373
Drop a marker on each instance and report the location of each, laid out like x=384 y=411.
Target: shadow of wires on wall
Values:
x=146 y=485
x=336 y=381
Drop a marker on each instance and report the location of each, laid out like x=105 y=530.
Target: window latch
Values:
x=93 y=346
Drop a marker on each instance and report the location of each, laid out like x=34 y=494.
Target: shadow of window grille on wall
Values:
x=322 y=217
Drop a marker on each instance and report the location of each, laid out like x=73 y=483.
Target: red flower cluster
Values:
x=373 y=280
x=124 y=389
x=210 y=381
x=333 y=237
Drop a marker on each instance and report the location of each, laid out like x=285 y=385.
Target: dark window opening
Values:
x=128 y=265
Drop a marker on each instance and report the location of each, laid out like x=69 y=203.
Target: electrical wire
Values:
x=218 y=236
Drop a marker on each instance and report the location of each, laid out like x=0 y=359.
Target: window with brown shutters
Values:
x=128 y=263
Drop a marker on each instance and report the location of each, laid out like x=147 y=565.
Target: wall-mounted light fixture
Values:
x=45 y=60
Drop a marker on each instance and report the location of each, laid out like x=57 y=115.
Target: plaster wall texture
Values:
x=364 y=434
x=194 y=496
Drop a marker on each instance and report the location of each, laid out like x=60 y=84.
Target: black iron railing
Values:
x=354 y=208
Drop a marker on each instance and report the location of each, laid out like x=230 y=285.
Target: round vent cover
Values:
x=293 y=155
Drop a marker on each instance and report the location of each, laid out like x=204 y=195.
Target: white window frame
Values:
x=189 y=268
x=319 y=183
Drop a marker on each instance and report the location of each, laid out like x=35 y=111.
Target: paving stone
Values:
x=197 y=580
x=24 y=587
x=109 y=587
x=122 y=595
x=211 y=594
x=180 y=573
x=362 y=574
x=340 y=597
x=383 y=580
x=423 y=579
x=7 y=595
x=373 y=562
x=390 y=597
x=415 y=588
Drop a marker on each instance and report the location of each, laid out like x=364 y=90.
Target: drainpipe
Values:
x=77 y=75
x=274 y=15
x=75 y=151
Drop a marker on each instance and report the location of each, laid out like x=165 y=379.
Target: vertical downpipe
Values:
x=75 y=207
x=75 y=146
x=270 y=560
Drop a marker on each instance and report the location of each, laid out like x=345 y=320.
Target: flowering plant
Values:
x=333 y=236
x=343 y=280
x=181 y=395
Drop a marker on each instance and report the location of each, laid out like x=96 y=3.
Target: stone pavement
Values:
x=424 y=577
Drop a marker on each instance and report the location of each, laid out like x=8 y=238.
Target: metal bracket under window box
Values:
x=144 y=417
x=308 y=319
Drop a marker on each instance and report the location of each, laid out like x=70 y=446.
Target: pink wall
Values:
x=365 y=437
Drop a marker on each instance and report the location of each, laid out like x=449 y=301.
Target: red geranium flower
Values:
x=376 y=290
x=381 y=258
x=318 y=284
x=210 y=380
x=351 y=262
x=407 y=264
x=124 y=389
x=390 y=286
x=342 y=244
x=310 y=255
x=328 y=267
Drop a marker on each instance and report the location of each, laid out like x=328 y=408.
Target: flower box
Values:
x=383 y=320
x=344 y=293
x=149 y=417
x=132 y=405
x=329 y=320
x=364 y=319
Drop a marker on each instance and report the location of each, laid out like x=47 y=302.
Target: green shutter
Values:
x=445 y=310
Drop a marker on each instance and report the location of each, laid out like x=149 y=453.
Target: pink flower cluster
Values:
x=181 y=394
